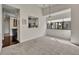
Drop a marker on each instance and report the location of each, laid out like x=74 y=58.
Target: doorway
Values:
x=10 y=25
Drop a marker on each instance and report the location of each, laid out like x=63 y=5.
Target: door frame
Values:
x=18 y=21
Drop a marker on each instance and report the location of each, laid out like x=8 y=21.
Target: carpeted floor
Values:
x=42 y=46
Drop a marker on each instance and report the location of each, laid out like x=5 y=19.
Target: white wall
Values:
x=6 y=26
x=74 y=19
x=75 y=24
x=0 y=27
x=30 y=33
x=59 y=15
x=63 y=34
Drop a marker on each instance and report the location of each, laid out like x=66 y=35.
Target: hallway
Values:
x=42 y=46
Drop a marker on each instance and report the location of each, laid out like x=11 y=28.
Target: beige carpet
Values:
x=42 y=46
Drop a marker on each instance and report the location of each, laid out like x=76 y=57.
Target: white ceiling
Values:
x=45 y=5
x=42 y=5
